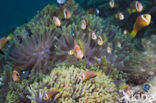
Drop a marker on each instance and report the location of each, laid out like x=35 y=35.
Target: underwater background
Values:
x=13 y=13
x=78 y=51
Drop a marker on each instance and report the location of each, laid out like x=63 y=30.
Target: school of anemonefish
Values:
x=135 y=7
x=142 y=21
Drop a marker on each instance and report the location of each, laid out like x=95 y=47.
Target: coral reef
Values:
x=18 y=90
x=5 y=77
x=35 y=52
x=98 y=89
x=84 y=59
x=121 y=57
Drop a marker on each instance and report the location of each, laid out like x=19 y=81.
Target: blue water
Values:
x=13 y=12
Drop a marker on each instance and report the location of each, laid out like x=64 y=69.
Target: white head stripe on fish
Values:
x=83 y=76
x=100 y=38
x=16 y=72
x=136 y=5
x=64 y=13
x=142 y=16
x=46 y=96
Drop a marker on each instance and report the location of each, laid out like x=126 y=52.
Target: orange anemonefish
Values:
x=108 y=48
x=56 y=21
x=95 y=11
x=120 y=16
x=66 y=14
x=16 y=76
x=112 y=4
x=78 y=51
x=94 y=37
x=87 y=75
x=83 y=24
x=136 y=6
x=141 y=22
x=49 y=94
x=101 y=40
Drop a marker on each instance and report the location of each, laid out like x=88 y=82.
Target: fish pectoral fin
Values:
x=129 y=11
x=10 y=36
x=133 y=11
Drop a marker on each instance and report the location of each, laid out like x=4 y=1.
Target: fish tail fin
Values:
x=123 y=86
x=99 y=73
x=54 y=26
x=10 y=36
x=105 y=41
x=129 y=11
x=133 y=34
x=116 y=15
x=60 y=89
x=86 y=20
x=1 y=52
x=89 y=29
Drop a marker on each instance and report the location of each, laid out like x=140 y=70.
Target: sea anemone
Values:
x=121 y=54
x=66 y=43
x=35 y=52
x=17 y=91
x=5 y=77
x=75 y=90
x=45 y=17
x=147 y=63
x=138 y=77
